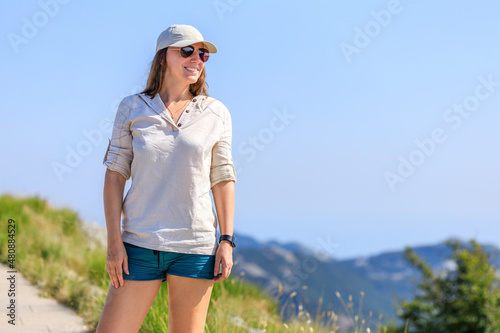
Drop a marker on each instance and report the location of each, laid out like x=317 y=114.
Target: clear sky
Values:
x=367 y=125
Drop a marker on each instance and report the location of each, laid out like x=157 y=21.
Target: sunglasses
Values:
x=188 y=51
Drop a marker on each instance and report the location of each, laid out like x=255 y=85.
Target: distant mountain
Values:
x=385 y=279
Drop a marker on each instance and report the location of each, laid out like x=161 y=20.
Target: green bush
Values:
x=464 y=299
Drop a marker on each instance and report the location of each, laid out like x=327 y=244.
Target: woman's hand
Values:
x=115 y=260
x=224 y=256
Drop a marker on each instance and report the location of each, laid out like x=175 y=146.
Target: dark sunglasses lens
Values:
x=186 y=51
x=204 y=54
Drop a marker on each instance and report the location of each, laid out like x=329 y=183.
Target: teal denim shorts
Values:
x=146 y=264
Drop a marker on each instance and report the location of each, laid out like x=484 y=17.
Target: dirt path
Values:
x=34 y=313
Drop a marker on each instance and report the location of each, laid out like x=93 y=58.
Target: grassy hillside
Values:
x=55 y=253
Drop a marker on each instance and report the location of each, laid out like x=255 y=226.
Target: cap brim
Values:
x=210 y=47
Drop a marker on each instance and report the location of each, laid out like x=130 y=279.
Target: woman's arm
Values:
x=114 y=184
x=223 y=194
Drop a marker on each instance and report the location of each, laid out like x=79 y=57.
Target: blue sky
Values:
x=369 y=126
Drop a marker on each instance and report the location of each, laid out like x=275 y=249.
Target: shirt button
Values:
x=187 y=111
x=179 y=124
x=194 y=100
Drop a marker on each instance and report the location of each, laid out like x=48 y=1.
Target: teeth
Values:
x=194 y=70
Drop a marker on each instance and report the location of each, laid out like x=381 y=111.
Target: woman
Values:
x=175 y=143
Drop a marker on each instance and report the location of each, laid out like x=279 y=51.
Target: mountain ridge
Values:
x=379 y=281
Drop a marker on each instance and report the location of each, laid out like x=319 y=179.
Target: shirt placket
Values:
x=186 y=114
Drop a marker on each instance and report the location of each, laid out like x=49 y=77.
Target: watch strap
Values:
x=229 y=238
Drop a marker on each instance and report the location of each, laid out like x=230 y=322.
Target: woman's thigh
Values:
x=126 y=307
x=188 y=300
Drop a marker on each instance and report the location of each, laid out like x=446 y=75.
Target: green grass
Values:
x=54 y=253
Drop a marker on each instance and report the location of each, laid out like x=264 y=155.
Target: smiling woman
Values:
x=174 y=142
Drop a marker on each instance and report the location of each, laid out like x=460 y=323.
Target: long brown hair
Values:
x=157 y=75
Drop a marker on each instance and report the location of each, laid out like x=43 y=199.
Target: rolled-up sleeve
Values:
x=222 y=167
x=119 y=153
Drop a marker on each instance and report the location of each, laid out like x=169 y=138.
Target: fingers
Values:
x=114 y=264
x=223 y=274
x=223 y=265
x=125 y=265
x=217 y=270
x=112 y=274
x=218 y=278
x=115 y=273
x=217 y=267
x=226 y=270
x=119 y=273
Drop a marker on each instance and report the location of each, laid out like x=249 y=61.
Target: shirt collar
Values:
x=157 y=104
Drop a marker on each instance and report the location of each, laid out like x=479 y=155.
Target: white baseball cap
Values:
x=180 y=35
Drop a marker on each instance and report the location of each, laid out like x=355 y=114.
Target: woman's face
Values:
x=184 y=70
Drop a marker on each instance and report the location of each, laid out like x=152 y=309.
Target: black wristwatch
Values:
x=229 y=238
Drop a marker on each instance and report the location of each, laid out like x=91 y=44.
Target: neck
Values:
x=174 y=92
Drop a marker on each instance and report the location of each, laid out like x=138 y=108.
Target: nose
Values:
x=195 y=57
